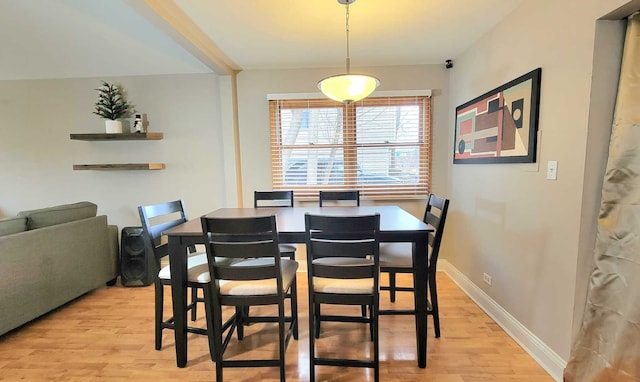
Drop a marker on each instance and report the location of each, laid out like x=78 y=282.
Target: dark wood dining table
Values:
x=396 y=225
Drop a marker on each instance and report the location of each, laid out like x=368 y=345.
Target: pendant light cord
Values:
x=347 y=29
x=348 y=88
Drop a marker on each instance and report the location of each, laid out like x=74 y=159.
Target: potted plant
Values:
x=112 y=105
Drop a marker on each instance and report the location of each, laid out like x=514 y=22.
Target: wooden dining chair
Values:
x=257 y=277
x=338 y=197
x=343 y=269
x=397 y=258
x=156 y=219
x=281 y=198
x=341 y=198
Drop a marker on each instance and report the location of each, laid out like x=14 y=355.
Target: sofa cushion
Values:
x=65 y=213
x=13 y=225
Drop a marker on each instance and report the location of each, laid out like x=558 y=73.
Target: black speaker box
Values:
x=137 y=264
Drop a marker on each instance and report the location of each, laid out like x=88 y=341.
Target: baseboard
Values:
x=541 y=353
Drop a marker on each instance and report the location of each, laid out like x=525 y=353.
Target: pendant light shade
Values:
x=348 y=87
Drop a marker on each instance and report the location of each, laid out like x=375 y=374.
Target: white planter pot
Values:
x=113 y=127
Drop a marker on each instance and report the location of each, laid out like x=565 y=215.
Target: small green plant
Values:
x=111 y=102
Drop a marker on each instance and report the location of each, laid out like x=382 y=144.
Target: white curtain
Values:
x=608 y=345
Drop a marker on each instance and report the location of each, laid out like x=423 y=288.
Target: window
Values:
x=380 y=146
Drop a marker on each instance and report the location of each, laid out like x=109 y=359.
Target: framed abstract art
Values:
x=501 y=125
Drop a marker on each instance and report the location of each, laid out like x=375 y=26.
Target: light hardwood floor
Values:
x=108 y=335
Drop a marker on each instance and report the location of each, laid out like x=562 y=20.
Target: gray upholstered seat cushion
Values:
x=260 y=287
x=197 y=269
x=343 y=286
x=13 y=225
x=397 y=255
x=64 y=213
x=285 y=248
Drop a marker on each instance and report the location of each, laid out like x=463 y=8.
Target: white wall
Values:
x=36 y=154
x=506 y=219
x=254 y=85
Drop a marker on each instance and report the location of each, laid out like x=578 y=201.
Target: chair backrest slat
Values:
x=234 y=247
x=257 y=272
x=156 y=230
x=248 y=229
x=439 y=205
x=351 y=272
x=338 y=248
x=272 y=199
x=338 y=196
x=158 y=218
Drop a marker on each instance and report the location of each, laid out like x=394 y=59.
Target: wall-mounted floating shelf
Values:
x=117 y=137
x=119 y=166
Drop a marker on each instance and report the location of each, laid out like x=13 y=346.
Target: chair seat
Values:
x=343 y=286
x=197 y=269
x=397 y=255
x=285 y=248
x=344 y=261
x=260 y=287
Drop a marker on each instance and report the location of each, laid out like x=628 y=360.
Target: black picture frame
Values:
x=500 y=126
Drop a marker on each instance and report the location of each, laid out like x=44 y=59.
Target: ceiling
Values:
x=90 y=38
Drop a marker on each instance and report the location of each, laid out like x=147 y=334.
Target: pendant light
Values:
x=347 y=88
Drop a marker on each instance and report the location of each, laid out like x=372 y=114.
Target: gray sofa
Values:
x=51 y=256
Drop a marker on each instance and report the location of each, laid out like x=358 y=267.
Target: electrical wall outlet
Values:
x=486 y=278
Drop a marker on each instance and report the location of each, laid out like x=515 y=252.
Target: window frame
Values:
x=350 y=146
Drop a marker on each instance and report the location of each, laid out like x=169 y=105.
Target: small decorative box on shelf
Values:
x=119 y=166
x=117 y=137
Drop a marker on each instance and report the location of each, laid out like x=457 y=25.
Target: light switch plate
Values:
x=552 y=170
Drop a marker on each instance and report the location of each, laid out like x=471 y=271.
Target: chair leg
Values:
x=294 y=308
x=240 y=321
x=194 y=303
x=433 y=291
x=219 y=371
x=214 y=330
x=372 y=328
x=312 y=337
x=208 y=309
x=392 y=286
x=375 y=325
x=317 y=321
x=364 y=314
x=159 y=297
x=217 y=342
x=282 y=333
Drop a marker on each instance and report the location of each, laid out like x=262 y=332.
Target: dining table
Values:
x=396 y=225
